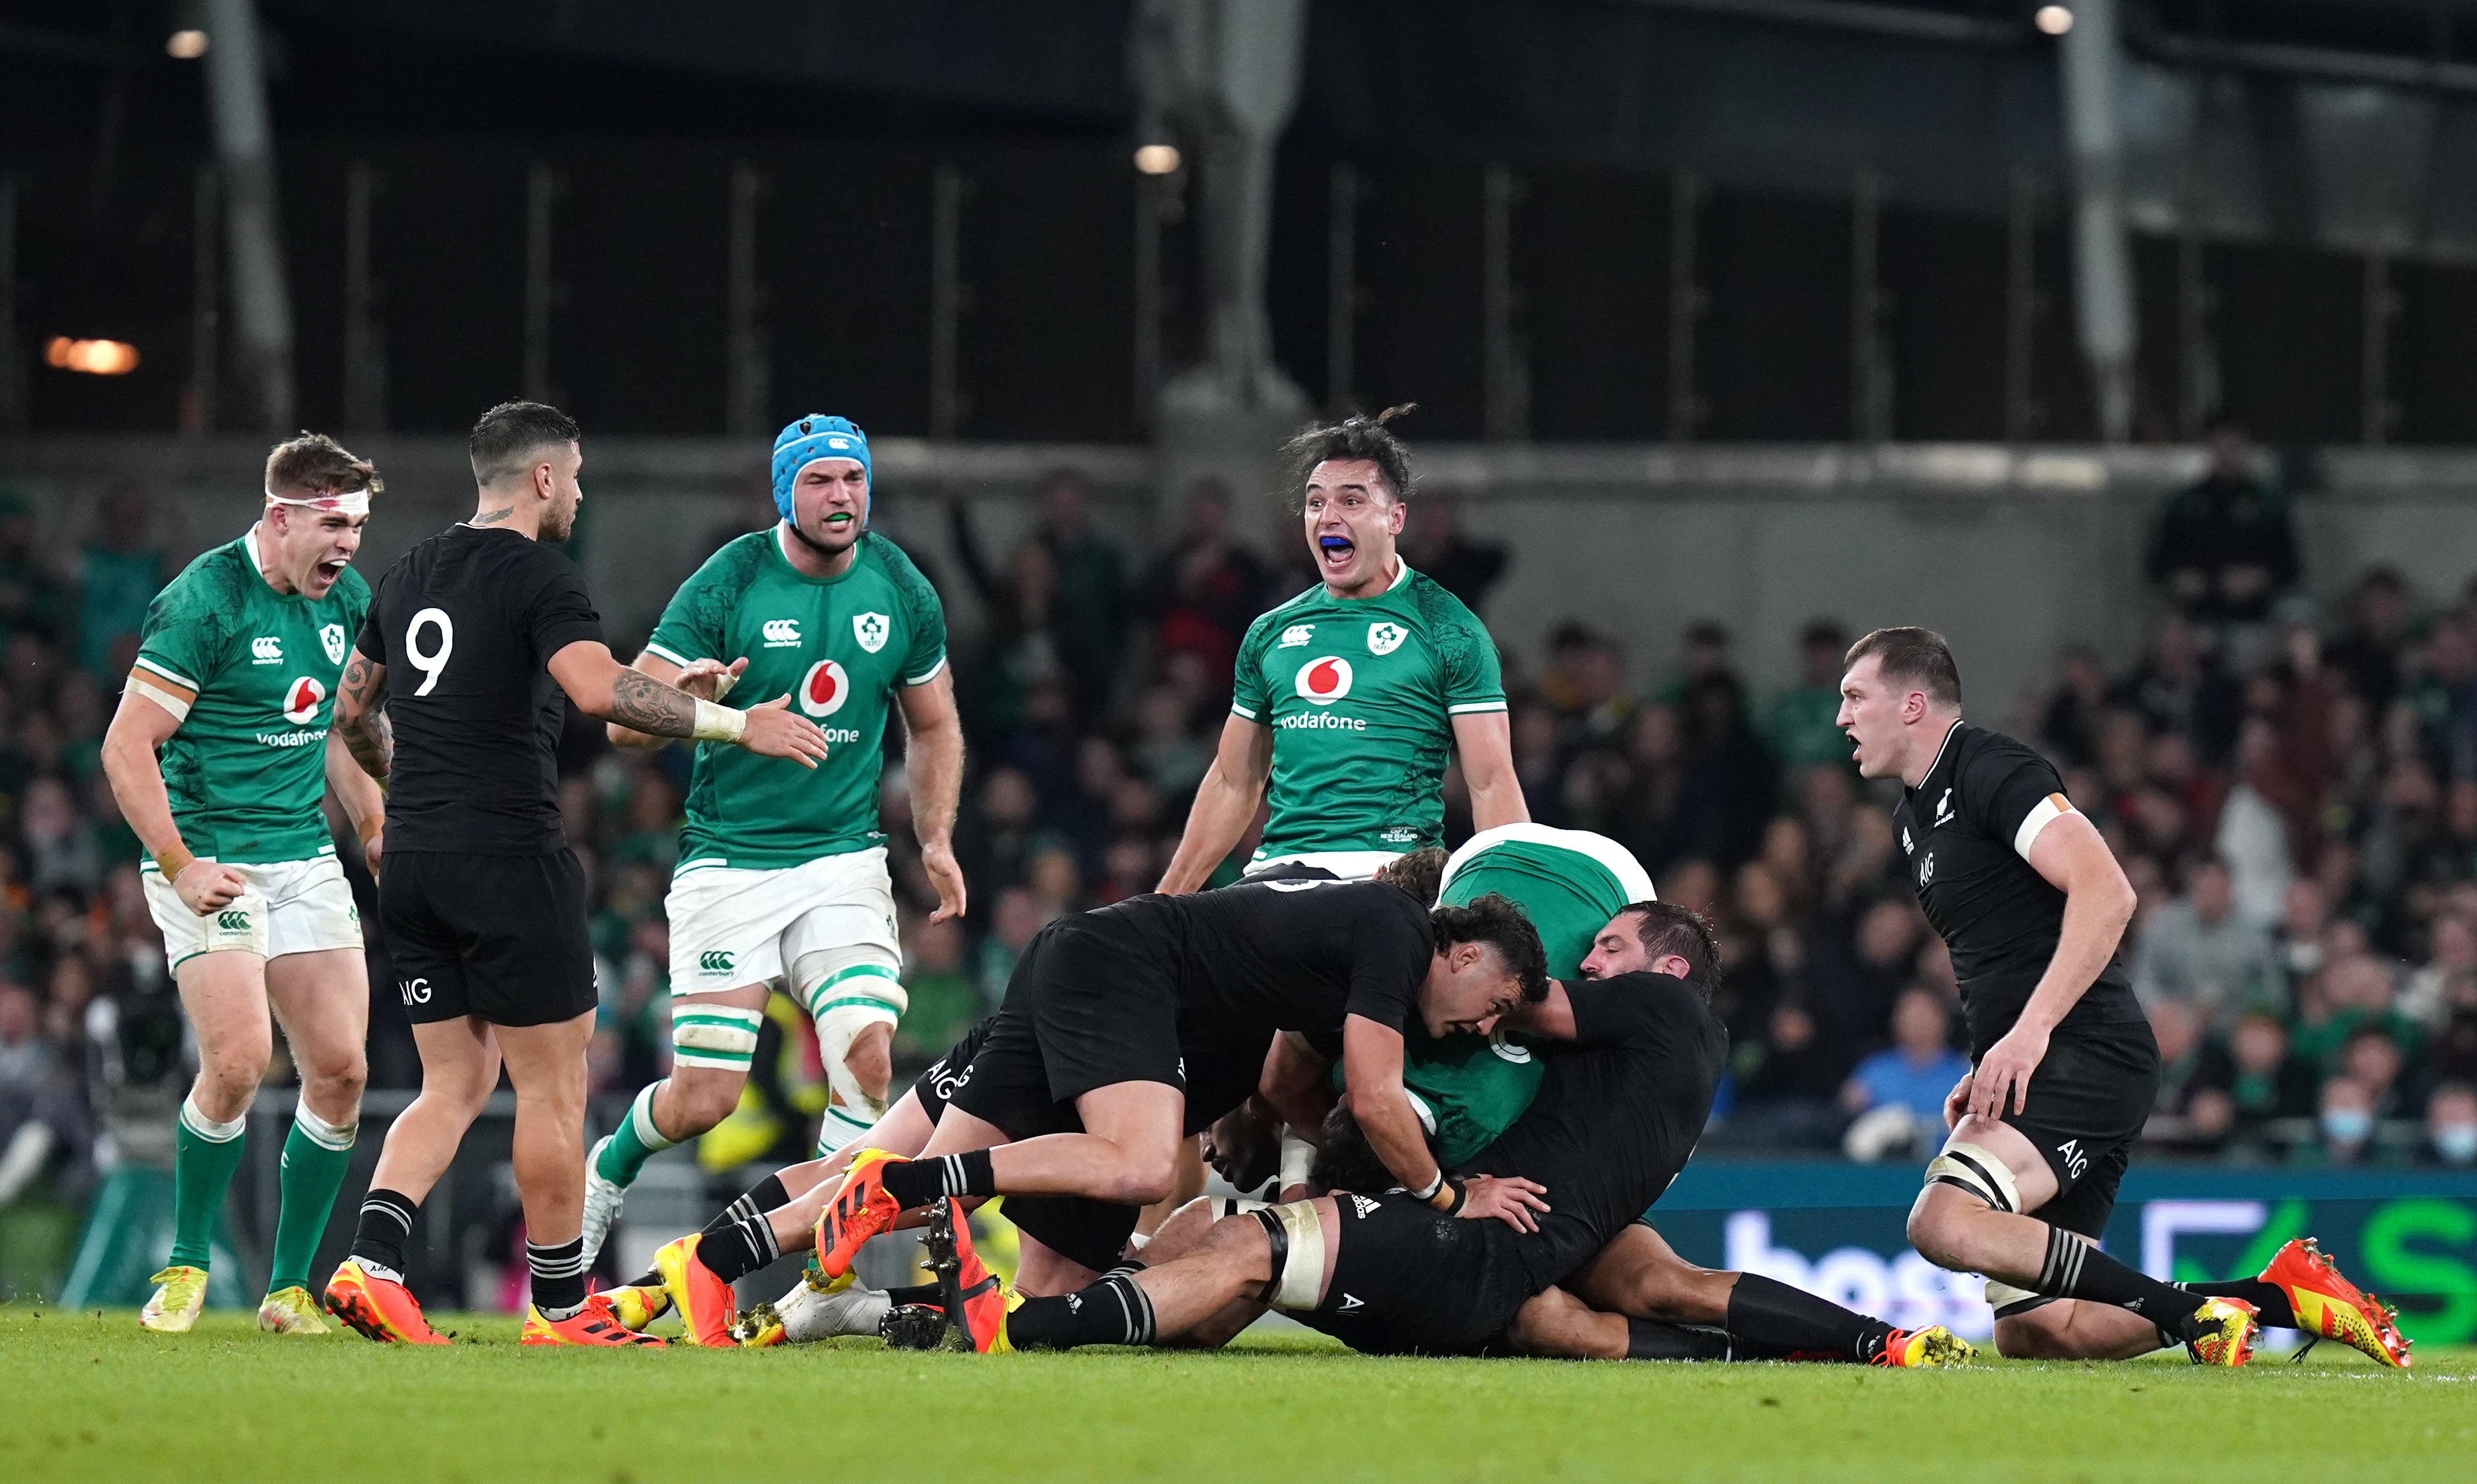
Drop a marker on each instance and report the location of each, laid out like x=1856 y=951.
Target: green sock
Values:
x=316 y=1154
x=633 y=1142
x=205 y=1154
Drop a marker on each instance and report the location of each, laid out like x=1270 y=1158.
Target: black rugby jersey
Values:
x=466 y=624
x=1966 y=830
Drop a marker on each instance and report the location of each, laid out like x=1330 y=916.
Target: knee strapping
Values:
x=1978 y=1171
x=847 y=991
x=718 y=1035
x=1298 y=1241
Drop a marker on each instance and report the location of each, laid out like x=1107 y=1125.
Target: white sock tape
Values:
x=326 y=1135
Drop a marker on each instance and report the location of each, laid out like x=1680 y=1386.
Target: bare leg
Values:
x=323 y=1001
x=546 y=1066
x=459 y=1069
x=225 y=996
x=1190 y=1184
x=1640 y=1274
x=1041 y=1272
x=1128 y=1153
x=1555 y=1322
x=695 y=1099
x=1232 y=1262
x=2072 y=1329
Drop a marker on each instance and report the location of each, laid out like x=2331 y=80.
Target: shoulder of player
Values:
x=900 y=571
x=732 y=567
x=213 y=585
x=1979 y=754
x=353 y=589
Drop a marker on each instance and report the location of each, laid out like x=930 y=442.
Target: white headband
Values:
x=351 y=502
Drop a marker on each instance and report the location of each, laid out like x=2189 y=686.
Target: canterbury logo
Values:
x=232 y=921
x=714 y=961
x=781 y=634
x=266 y=649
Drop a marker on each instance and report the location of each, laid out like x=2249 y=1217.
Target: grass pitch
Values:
x=93 y=1397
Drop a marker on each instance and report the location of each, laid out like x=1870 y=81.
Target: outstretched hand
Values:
x=773 y=731
x=1510 y=1199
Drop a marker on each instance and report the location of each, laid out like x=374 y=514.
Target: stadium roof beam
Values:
x=2103 y=300
x=245 y=143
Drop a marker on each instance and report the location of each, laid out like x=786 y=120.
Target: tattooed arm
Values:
x=361 y=718
x=608 y=691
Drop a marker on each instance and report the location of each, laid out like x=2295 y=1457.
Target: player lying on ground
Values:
x=1348 y=700
x=236 y=676
x=2066 y=1072
x=1126 y=1029
x=781 y=875
x=470 y=640
x=1627 y=1090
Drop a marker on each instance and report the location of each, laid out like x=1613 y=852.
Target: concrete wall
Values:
x=2011 y=552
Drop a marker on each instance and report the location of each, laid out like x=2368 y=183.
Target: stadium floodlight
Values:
x=2054 y=19
x=95 y=358
x=189 y=45
x=1157 y=159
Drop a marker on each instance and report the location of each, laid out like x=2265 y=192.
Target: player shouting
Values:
x=235 y=675
x=470 y=640
x=2064 y=1071
x=1350 y=696
x=781 y=876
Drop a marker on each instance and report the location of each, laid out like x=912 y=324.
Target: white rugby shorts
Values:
x=291 y=907
x=732 y=926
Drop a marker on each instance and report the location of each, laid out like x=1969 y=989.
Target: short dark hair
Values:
x=1355 y=436
x=1497 y=921
x=316 y=465
x=1421 y=874
x=512 y=430
x=1663 y=928
x=1347 y=1160
x=1913 y=657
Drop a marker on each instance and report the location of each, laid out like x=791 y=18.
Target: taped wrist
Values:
x=718 y=723
x=1298 y=1159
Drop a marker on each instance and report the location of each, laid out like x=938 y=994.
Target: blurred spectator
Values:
x=1725 y=797
x=2368 y=654
x=1015 y=920
x=2347 y=1126
x=119 y=572
x=1800 y=727
x=2195 y=949
x=2182 y=688
x=1787 y=1079
x=31 y=600
x=2423 y=997
x=1092 y=584
x=1434 y=542
x=2451 y=1125
x=944 y=1001
x=1201 y=594
x=2225 y=548
x=2068 y=727
x=1919 y=1069
x=1584 y=688
x=2264 y=1080
x=1703 y=653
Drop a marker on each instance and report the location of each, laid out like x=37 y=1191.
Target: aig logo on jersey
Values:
x=330 y=638
x=1384 y=638
x=301 y=700
x=781 y=634
x=871 y=629
x=1325 y=681
x=823 y=689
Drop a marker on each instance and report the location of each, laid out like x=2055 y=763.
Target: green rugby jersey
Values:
x=1570 y=882
x=252 y=674
x=840 y=646
x=1360 y=694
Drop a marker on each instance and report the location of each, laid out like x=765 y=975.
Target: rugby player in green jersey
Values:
x=782 y=877
x=1349 y=698
x=220 y=757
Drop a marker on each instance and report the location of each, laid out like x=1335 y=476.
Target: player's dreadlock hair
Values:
x=1497 y=921
x=1355 y=436
x=1664 y=928
x=1421 y=874
x=315 y=464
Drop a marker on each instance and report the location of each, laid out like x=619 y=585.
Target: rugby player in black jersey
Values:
x=1126 y=1028
x=1624 y=1099
x=453 y=696
x=2032 y=903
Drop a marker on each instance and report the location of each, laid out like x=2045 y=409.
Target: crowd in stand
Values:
x=2293 y=796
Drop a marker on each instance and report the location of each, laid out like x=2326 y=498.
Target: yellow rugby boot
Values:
x=638 y=1304
x=172 y=1309
x=591 y=1325
x=291 y=1311
x=2228 y=1336
x=1911 y=1350
x=703 y=1298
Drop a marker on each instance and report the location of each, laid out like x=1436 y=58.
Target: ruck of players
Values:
x=1423 y=1100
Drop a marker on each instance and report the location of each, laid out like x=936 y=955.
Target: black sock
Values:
x=2270 y=1298
x=1650 y=1340
x=1113 y=1311
x=1768 y=1313
x=917 y=1182
x=386 y=1220
x=2076 y=1269
x=558 y=1276
x=932 y=1294
x=739 y=1248
x=761 y=1198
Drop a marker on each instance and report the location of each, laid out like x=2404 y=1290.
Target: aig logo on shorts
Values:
x=415 y=991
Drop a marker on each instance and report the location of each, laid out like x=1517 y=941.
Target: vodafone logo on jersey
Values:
x=1324 y=680
x=823 y=688
x=301 y=700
